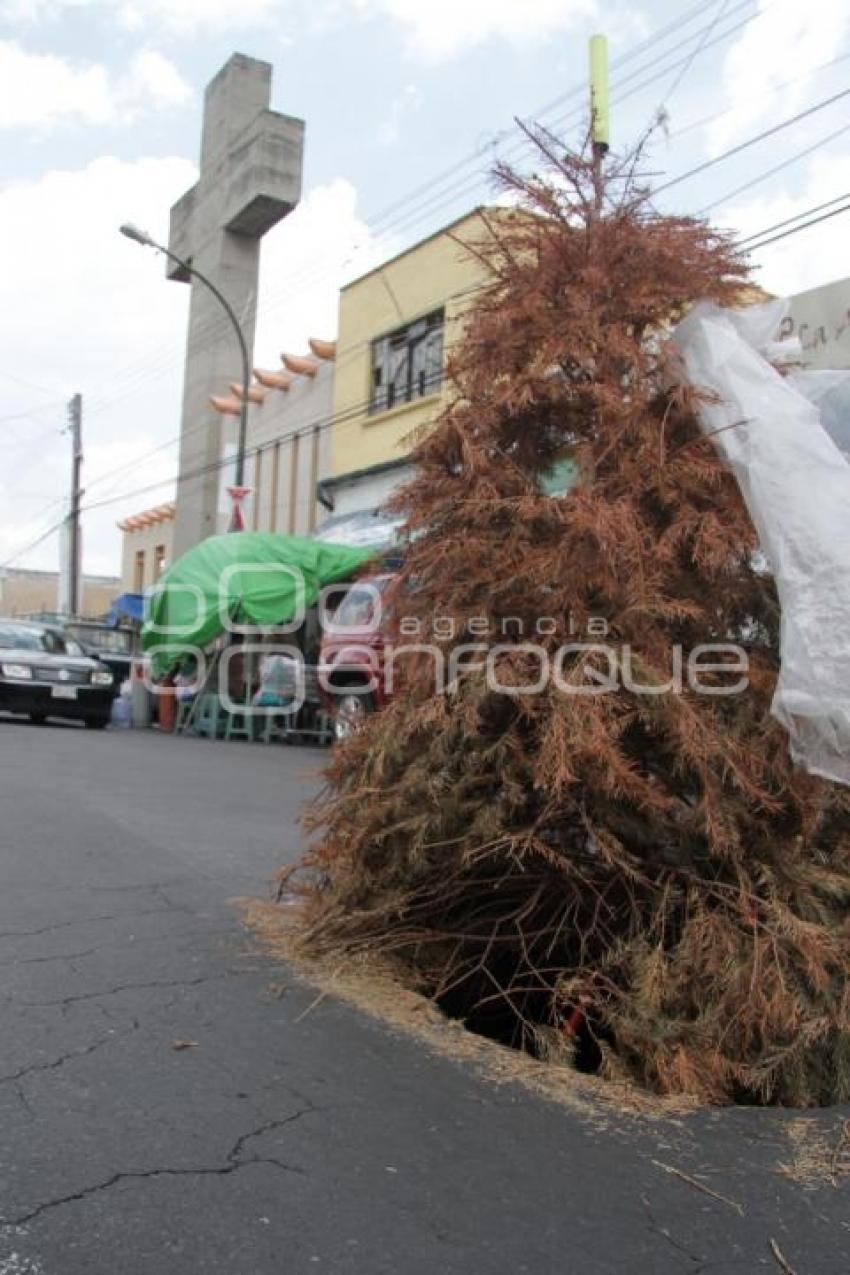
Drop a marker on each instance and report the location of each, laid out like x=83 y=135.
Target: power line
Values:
x=19 y=553
x=795 y=229
x=752 y=141
x=777 y=168
x=772 y=91
x=19 y=380
x=698 y=48
x=32 y=411
x=788 y=220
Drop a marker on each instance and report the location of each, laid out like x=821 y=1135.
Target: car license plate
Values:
x=64 y=692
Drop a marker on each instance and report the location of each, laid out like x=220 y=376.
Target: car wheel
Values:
x=38 y=719
x=352 y=709
x=96 y=723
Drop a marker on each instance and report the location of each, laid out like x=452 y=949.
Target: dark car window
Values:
x=357 y=608
x=15 y=637
x=111 y=641
x=53 y=642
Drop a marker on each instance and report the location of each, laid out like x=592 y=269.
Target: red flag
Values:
x=237 y=516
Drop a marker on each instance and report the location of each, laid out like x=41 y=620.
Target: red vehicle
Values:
x=351 y=658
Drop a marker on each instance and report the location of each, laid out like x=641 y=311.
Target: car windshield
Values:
x=112 y=641
x=357 y=608
x=16 y=637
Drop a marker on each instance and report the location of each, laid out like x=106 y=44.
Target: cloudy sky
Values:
x=407 y=103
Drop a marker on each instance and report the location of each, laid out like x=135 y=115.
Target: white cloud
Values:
x=436 y=29
x=36 y=10
x=305 y=261
x=155 y=78
x=195 y=15
x=410 y=99
x=440 y=29
x=41 y=90
x=179 y=16
x=786 y=40
x=44 y=91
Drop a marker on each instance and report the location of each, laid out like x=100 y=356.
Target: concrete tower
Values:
x=251 y=163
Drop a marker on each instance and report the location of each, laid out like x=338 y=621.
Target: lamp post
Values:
x=238 y=491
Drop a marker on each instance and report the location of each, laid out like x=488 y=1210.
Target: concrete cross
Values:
x=251 y=163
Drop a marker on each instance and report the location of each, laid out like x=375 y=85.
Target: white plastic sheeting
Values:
x=830 y=393
x=795 y=480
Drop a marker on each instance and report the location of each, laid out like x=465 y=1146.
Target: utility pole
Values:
x=75 y=428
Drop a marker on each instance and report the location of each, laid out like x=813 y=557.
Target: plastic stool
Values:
x=184 y=709
x=276 y=725
x=208 y=717
x=325 y=727
x=240 y=725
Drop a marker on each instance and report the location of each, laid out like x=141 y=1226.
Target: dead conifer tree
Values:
x=642 y=871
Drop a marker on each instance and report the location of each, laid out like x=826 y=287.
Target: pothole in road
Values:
x=451 y=1025
x=519 y=1023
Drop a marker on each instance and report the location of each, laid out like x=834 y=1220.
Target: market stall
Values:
x=227 y=608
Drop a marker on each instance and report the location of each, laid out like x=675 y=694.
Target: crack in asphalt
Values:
x=159 y=891
x=24 y=1102
x=147 y=885
x=724 y=1265
x=662 y=1231
x=101 y=947
x=60 y=956
x=269 y=1127
x=65 y=1001
x=232 y=1164
x=82 y=1052
x=90 y=920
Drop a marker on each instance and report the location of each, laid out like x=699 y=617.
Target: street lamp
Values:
x=142 y=237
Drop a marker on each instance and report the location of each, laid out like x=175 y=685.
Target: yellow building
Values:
x=28 y=592
x=147 y=546
x=397 y=325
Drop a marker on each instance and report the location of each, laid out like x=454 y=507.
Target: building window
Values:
x=407 y=364
x=158 y=561
x=139 y=571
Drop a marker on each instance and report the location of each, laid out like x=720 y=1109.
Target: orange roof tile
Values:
x=274 y=380
x=300 y=366
x=226 y=406
x=149 y=517
x=254 y=395
x=322 y=349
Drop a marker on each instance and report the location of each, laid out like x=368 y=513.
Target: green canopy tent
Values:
x=251 y=577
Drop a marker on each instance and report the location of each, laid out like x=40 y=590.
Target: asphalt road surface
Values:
x=281 y=1143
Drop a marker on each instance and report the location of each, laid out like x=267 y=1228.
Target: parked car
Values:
x=351 y=659
x=112 y=645
x=44 y=672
